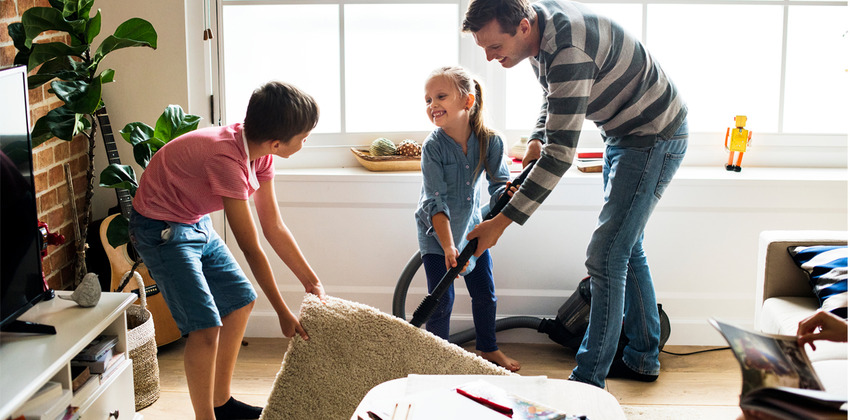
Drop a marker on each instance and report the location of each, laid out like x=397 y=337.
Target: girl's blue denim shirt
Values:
x=450 y=185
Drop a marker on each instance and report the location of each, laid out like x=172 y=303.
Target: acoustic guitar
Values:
x=122 y=258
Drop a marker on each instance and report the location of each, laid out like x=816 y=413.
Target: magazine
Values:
x=778 y=377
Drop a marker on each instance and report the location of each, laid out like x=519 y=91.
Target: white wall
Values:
x=356 y=228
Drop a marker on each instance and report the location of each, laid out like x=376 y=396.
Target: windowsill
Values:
x=695 y=173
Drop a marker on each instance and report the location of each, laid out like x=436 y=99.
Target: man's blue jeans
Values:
x=622 y=293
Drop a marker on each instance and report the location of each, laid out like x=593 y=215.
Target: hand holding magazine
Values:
x=778 y=378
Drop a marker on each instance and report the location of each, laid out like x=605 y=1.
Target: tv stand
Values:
x=27 y=327
x=29 y=361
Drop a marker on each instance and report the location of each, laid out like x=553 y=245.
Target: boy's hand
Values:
x=318 y=290
x=290 y=326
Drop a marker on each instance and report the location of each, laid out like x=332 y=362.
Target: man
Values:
x=590 y=68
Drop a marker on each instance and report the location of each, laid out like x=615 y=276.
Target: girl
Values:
x=454 y=156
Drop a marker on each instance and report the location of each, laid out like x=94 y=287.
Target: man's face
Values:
x=507 y=49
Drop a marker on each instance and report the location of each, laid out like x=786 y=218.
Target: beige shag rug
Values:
x=352 y=348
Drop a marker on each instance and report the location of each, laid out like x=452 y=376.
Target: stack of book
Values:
x=99 y=356
x=50 y=402
x=589 y=161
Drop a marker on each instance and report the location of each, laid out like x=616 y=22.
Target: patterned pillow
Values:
x=826 y=267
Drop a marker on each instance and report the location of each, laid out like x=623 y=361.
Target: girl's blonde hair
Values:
x=466 y=84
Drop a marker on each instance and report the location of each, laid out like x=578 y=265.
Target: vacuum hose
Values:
x=567 y=329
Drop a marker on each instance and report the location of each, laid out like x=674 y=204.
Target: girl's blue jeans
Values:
x=479 y=282
x=622 y=292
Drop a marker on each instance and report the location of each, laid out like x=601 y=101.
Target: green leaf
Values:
x=143 y=152
x=62 y=123
x=40 y=132
x=84 y=9
x=136 y=132
x=60 y=67
x=119 y=176
x=18 y=35
x=134 y=32
x=118 y=231
x=93 y=27
x=107 y=76
x=45 y=52
x=174 y=122
x=79 y=96
x=39 y=19
x=57 y=4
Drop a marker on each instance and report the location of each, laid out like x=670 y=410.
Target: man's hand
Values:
x=488 y=232
x=532 y=151
x=290 y=326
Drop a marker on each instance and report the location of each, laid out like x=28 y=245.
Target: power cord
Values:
x=697 y=352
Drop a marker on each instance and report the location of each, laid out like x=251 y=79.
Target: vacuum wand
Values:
x=429 y=304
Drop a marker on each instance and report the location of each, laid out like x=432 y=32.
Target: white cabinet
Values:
x=28 y=361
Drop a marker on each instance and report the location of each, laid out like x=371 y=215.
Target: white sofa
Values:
x=784 y=297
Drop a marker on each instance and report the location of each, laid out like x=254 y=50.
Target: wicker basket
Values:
x=141 y=346
x=386 y=163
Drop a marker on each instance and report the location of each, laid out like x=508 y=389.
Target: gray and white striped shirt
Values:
x=590 y=68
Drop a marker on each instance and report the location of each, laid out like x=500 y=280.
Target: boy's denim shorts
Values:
x=194 y=270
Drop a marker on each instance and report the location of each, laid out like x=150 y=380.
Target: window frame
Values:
x=780 y=149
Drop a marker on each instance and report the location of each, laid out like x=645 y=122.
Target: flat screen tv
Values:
x=22 y=284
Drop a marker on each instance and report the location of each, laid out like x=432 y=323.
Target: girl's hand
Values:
x=290 y=326
x=451 y=257
x=510 y=189
x=318 y=290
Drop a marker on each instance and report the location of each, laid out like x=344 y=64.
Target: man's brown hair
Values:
x=507 y=12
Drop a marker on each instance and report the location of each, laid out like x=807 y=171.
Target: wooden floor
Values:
x=700 y=386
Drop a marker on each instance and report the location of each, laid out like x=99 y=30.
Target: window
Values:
x=782 y=63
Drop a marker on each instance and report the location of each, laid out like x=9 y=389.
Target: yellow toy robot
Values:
x=740 y=140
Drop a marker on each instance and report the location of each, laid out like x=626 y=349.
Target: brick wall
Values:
x=53 y=197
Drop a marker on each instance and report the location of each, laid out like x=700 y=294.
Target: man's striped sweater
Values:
x=590 y=68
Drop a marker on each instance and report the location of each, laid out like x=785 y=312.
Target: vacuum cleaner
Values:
x=567 y=328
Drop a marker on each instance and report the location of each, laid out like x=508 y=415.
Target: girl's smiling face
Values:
x=444 y=104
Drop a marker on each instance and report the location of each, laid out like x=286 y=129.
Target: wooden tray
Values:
x=385 y=163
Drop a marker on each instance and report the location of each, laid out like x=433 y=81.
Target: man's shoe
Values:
x=619 y=370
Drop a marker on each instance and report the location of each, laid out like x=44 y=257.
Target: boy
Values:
x=207 y=292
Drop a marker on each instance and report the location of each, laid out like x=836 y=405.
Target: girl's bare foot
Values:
x=501 y=359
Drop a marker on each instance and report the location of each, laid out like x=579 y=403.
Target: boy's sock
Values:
x=619 y=369
x=233 y=410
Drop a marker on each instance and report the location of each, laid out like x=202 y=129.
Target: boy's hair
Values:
x=507 y=12
x=279 y=111
x=466 y=84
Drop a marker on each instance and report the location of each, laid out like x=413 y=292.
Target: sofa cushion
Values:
x=832 y=375
x=826 y=267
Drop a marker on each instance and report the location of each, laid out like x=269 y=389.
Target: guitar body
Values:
x=166 y=330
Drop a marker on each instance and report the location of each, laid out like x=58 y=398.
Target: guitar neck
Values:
x=125 y=200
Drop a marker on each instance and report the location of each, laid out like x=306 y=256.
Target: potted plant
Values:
x=74 y=75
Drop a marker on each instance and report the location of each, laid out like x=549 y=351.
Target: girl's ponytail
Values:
x=476 y=122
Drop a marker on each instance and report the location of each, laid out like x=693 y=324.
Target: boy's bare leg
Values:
x=229 y=343
x=198 y=361
x=501 y=359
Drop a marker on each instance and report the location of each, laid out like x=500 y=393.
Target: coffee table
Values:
x=433 y=392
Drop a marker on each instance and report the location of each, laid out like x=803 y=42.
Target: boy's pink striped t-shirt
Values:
x=186 y=179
